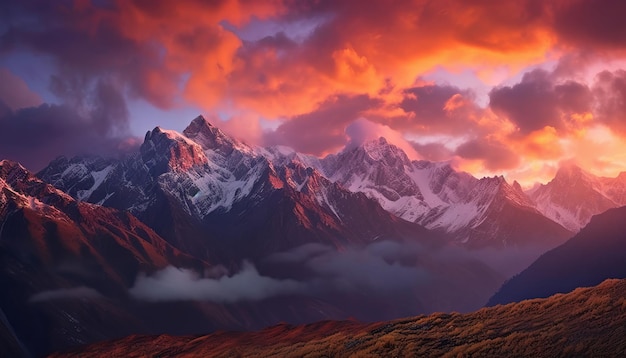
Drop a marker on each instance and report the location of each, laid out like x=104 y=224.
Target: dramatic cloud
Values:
x=301 y=73
x=495 y=155
x=324 y=129
x=537 y=102
x=584 y=23
x=435 y=152
x=610 y=90
x=36 y=135
x=438 y=109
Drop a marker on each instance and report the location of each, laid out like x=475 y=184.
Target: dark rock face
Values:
x=596 y=253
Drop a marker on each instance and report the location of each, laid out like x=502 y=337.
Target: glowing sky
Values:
x=497 y=87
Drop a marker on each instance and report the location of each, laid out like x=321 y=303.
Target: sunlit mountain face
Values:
x=196 y=166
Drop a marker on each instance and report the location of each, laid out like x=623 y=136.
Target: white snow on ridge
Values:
x=174 y=135
x=99 y=178
x=220 y=189
x=422 y=178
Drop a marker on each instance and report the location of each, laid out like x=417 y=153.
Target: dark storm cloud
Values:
x=610 y=92
x=97 y=66
x=85 y=43
x=539 y=100
x=323 y=129
x=36 y=135
x=591 y=24
x=438 y=109
x=434 y=152
x=495 y=155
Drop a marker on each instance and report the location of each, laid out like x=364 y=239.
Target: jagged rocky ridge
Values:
x=67 y=268
x=208 y=182
x=210 y=194
x=216 y=200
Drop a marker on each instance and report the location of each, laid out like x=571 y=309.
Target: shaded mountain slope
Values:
x=596 y=253
x=65 y=266
x=588 y=321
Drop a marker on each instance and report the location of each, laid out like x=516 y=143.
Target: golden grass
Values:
x=588 y=321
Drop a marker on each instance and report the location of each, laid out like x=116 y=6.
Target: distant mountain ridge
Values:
x=574 y=196
x=485 y=212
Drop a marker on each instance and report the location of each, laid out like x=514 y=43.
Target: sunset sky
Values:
x=497 y=87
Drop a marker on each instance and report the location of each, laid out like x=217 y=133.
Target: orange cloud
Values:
x=316 y=67
x=544 y=144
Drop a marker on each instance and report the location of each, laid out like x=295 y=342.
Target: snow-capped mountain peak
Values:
x=383 y=151
x=163 y=149
x=574 y=196
x=572 y=174
x=211 y=138
x=380 y=149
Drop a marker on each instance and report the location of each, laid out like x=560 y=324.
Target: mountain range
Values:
x=203 y=178
x=198 y=231
x=574 y=196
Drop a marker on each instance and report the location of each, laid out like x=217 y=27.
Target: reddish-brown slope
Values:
x=587 y=321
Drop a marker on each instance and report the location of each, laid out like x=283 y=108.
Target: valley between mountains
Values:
x=199 y=232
